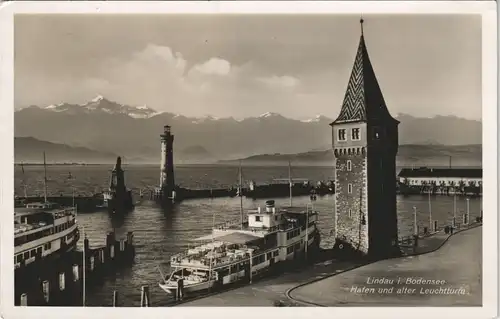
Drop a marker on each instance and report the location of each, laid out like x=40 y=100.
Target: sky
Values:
x=246 y=65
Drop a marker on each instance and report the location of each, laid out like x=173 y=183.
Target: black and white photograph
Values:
x=225 y=158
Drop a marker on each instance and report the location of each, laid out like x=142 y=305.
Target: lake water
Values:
x=159 y=234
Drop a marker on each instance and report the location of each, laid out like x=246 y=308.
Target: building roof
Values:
x=363 y=99
x=441 y=172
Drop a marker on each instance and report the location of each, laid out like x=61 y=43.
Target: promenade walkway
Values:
x=313 y=286
x=457 y=264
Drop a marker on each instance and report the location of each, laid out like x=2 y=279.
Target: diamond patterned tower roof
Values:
x=363 y=100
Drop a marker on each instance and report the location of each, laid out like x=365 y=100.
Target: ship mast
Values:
x=24 y=181
x=290 y=180
x=44 y=178
x=240 y=193
x=84 y=258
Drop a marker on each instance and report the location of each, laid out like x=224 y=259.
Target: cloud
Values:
x=280 y=81
x=160 y=77
x=213 y=66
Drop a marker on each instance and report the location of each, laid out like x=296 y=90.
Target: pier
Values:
x=306 y=286
x=63 y=280
x=84 y=203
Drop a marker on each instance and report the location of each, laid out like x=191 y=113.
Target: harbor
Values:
x=241 y=234
x=161 y=232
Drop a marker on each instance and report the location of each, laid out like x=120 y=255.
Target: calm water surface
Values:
x=159 y=234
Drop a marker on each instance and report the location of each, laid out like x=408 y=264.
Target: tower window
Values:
x=350 y=213
x=355 y=134
x=349 y=188
x=349 y=165
x=341 y=134
x=377 y=133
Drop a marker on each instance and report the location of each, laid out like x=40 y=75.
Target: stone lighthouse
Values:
x=365 y=144
x=167 y=180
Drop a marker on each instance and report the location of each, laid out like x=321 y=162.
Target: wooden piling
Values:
x=46 y=290
x=122 y=245
x=76 y=273
x=24 y=300
x=145 y=296
x=115 y=298
x=101 y=256
x=112 y=251
x=435 y=225
x=62 y=281
x=92 y=263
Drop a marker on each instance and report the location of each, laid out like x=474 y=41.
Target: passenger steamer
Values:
x=239 y=251
x=43 y=230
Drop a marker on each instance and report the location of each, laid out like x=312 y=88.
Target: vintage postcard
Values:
x=334 y=157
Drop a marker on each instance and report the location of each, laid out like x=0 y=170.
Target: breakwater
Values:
x=63 y=280
x=84 y=203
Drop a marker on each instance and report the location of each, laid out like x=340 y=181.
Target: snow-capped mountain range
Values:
x=133 y=131
x=101 y=104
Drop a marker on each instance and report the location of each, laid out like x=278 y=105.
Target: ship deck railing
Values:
x=205 y=262
x=217 y=257
x=24 y=228
x=259 y=230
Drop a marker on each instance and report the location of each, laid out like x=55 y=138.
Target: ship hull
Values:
x=171 y=288
x=244 y=276
x=54 y=256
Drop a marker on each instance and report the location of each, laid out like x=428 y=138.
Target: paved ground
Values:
x=458 y=263
x=332 y=291
x=265 y=292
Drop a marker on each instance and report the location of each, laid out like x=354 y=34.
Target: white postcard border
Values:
x=489 y=112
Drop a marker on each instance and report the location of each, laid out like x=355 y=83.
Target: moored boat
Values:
x=42 y=230
x=239 y=251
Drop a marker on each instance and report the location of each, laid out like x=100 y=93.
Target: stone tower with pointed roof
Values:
x=365 y=144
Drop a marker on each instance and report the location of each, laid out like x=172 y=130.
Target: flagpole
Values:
x=84 y=268
x=24 y=181
x=45 y=177
x=241 y=196
x=290 y=180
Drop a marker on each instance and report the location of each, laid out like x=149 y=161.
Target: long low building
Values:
x=441 y=176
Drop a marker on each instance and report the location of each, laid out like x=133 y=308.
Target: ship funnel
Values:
x=270 y=206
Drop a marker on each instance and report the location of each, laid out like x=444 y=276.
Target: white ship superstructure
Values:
x=41 y=230
x=239 y=251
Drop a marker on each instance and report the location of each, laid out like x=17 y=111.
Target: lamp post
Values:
x=415 y=227
x=467 y=199
x=430 y=212
x=454 y=209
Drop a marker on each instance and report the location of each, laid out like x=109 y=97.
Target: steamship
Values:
x=43 y=230
x=238 y=251
x=283 y=187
